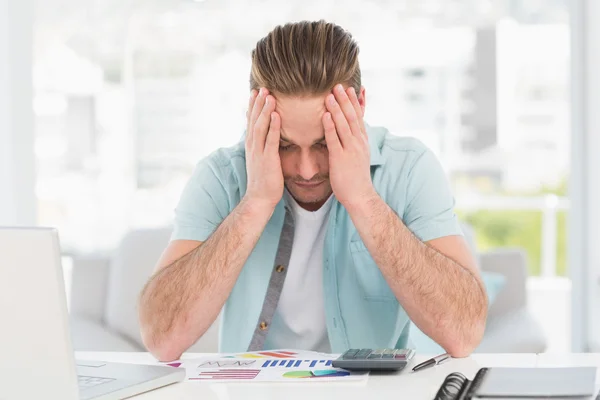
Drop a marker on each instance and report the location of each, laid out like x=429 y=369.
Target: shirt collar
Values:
x=375 y=139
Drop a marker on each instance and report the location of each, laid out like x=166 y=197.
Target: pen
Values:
x=431 y=362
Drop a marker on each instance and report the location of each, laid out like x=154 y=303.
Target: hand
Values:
x=263 y=165
x=348 y=145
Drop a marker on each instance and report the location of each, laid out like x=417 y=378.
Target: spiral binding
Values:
x=456 y=386
x=451 y=387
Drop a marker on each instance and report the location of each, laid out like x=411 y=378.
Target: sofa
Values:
x=105 y=287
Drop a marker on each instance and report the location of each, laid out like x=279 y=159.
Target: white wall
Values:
x=17 y=198
x=584 y=230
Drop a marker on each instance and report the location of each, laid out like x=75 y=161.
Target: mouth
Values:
x=308 y=185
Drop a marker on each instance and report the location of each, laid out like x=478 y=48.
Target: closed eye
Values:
x=290 y=147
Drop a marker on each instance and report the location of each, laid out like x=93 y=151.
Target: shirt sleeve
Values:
x=429 y=211
x=202 y=207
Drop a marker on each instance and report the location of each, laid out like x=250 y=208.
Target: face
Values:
x=303 y=149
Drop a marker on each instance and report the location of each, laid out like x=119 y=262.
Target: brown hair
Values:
x=305 y=58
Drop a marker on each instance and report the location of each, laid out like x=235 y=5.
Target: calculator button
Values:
x=363 y=353
x=387 y=356
x=374 y=355
x=350 y=354
x=400 y=356
x=378 y=351
x=389 y=351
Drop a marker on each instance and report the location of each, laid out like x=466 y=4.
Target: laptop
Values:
x=36 y=354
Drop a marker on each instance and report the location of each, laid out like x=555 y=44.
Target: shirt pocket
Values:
x=368 y=274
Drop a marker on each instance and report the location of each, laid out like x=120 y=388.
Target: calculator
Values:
x=374 y=359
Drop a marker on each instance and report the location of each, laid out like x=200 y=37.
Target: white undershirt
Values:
x=299 y=321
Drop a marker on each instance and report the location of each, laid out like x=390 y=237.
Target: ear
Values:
x=362 y=99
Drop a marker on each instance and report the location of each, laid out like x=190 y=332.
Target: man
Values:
x=317 y=231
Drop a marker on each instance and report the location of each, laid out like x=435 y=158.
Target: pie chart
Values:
x=322 y=373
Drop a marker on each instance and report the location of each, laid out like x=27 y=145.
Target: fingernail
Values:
x=267 y=101
x=340 y=87
x=260 y=92
x=331 y=99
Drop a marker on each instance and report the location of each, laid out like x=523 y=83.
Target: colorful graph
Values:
x=320 y=373
x=221 y=374
x=265 y=354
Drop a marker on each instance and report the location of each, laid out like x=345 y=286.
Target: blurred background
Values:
x=129 y=95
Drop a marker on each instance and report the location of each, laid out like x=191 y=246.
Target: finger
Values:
x=354 y=100
x=253 y=94
x=261 y=126
x=339 y=119
x=272 y=143
x=331 y=136
x=348 y=109
x=259 y=104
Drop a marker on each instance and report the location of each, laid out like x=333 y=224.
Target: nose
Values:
x=308 y=166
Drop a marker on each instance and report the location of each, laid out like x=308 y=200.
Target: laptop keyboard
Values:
x=86 y=382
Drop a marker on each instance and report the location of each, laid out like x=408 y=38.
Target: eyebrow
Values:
x=284 y=139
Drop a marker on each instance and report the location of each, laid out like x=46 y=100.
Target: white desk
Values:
x=404 y=385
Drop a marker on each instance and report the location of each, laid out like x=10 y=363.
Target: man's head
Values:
x=300 y=63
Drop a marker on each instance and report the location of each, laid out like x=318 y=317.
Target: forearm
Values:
x=446 y=300
x=182 y=300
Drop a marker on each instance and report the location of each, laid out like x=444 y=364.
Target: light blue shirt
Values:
x=360 y=307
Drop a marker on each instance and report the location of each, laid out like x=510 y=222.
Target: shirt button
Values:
x=263 y=326
x=280 y=268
